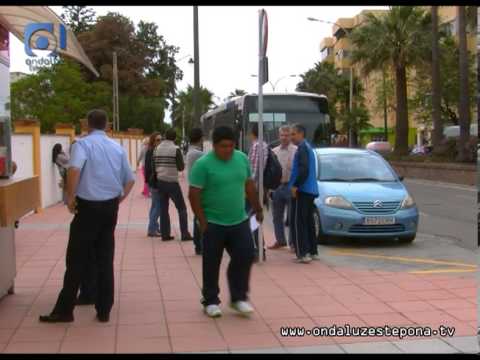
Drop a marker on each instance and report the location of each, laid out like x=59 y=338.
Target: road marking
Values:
x=438 y=271
x=423 y=214
x=471 y=197
x=445 y=185
x=400 y=258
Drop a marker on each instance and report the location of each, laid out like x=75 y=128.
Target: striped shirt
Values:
x=168 y=161
x=254 y=158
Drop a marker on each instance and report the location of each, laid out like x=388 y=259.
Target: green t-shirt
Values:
x=223 y=187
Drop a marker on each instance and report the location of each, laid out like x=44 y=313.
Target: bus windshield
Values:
x=241 y=113
x=316 y=124
x=279 y=110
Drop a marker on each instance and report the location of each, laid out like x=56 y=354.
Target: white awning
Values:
x=16 y=18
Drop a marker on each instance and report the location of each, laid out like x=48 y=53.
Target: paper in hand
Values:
x=254 y=225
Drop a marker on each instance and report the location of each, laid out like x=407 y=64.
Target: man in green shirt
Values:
x=219 y=182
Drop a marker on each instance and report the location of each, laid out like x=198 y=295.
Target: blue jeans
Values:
x=155 y=210
x=280 y=200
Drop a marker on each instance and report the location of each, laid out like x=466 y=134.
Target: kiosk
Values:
x=20 y=196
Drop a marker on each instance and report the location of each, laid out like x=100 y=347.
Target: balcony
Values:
x=342 y=24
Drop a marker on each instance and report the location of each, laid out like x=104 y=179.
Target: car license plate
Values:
x=376 y=220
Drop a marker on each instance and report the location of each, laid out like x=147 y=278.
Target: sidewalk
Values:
x=157 y=294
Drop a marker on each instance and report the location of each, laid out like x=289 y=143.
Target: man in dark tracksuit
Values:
x=303 y=184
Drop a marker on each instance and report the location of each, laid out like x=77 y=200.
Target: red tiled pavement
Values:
x=157 y=295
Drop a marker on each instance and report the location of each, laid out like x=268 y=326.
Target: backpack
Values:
x=272 y=175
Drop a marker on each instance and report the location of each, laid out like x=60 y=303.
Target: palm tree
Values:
x=324 y=79
x=182 y=108
x=237 y=92
x=464 y=103
x=436 y=85
x=400 y=38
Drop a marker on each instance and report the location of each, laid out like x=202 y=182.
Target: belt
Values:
x=111 y=201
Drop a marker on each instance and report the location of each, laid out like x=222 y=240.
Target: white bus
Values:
x=310 y=110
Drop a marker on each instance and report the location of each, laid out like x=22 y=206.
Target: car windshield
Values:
x=353 y=167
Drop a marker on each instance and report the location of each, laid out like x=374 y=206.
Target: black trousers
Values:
x=88 y=284
x=167 y=191
x=238 y=242
x=197 y=236
x=250 y=213
x=92 y=229
x=302 y=226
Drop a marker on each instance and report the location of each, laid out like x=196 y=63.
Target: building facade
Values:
x=337 y=50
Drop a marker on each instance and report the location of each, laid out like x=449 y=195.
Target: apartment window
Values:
x=326 y=52
x=451 y=27
x=342 y=54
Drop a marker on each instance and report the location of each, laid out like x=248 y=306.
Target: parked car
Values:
x=361 y=196
x=382 y=147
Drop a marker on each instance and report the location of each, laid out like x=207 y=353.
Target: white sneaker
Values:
x=213 y=311
x=243 y=307
x=305 y=259
x=316 y=257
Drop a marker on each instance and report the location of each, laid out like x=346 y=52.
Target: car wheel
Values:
x=322 y=239
x=407 y=239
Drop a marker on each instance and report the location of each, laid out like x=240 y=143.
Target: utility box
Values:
x=7 y=231
x=5 y=128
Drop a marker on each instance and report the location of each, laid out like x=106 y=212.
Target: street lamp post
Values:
x=278 y=80
x=350 y=130
x=196 y=59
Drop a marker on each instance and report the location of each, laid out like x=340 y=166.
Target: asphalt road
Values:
x=448 y=211
x=448 y=220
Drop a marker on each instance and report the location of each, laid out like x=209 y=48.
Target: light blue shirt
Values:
x=104 y=167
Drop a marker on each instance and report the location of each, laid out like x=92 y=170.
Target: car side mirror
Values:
x=401 y=178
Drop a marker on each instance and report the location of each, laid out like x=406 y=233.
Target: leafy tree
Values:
x=147 y=75
x=182 y=108
x=78 y=18
x=146 y=113
x=147 y=72
x=421 y=102
x=401 y=40
x=115 y=32
x=57 y=94
x=324 y=79
x=160 y=58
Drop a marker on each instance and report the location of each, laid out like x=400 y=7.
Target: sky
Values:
x=228 y=42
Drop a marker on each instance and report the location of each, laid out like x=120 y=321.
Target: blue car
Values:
x=361 y=196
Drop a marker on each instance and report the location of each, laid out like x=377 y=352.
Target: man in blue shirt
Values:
x=99 y=178
x=303 y=185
